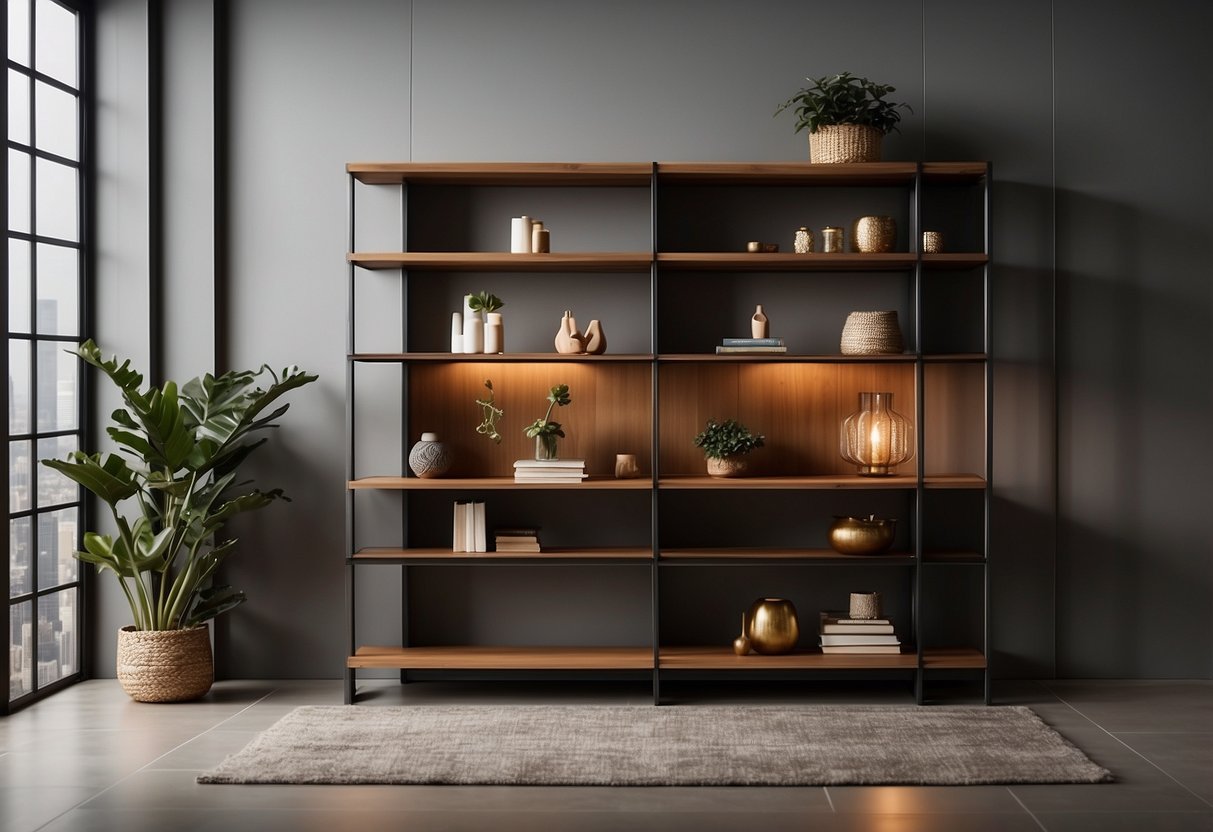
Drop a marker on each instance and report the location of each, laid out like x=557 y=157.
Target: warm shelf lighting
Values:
x=876 y=437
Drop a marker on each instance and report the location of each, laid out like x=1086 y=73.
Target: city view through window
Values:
x=43 y=279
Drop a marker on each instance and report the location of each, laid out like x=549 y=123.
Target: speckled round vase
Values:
x=429 y=457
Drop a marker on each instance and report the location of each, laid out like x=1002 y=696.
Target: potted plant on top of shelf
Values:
x=544 y=431
x=847 y=117
x=724 y=444
x=170 y=493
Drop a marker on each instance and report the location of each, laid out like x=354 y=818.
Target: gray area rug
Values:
x=659 y=746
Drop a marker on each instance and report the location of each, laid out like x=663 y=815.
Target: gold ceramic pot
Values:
x=772 y=626
x=862 y=535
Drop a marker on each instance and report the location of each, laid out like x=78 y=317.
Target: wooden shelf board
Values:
x=786 y=173
x=824 y=556
x=973 y=558
x=495 y=484
x=937 y=658
x=732 y=261
x=503 y=658
x=723 y=658
x=522 y=357
x=830 y=481
x=955 y=358
x=386 y=554
x=502 y=261
x=632 y=174
x=787 y=358
x=963 y=481
x=956 y=171
x=954 y=260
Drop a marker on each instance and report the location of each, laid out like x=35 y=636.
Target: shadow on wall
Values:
x=1134 y=364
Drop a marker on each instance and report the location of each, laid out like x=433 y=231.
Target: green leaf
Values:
x=112 y=480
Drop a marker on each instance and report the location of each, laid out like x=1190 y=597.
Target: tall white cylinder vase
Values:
x=456 y=332
x=520 y=235
x=473 y=334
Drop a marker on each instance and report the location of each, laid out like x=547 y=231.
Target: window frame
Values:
x=84 y=166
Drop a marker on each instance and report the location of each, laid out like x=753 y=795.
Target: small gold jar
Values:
x=872 y=235
x=932 y=242
x=832 y=239
x=802 y=242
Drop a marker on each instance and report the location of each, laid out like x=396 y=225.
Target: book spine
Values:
x=481 y=541
x=741 y=350
x=752 y=342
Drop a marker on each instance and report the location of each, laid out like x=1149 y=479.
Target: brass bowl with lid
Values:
x=869 y=535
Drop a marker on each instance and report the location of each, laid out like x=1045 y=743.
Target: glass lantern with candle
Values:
x=876 y=438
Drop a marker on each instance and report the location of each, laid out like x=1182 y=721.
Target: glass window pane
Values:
x=56 y=543
x=56 y=636
x=56 y=387
x=55 y=113
x=18 y=286
x=21 y=650
x=58 y=287
x=55 y=201
x=20 y=581
x=18 y=191
x=18 y=106
x=19 y=476
x=18 y=31
x=53 y=488
x=55 y=41
x=18 y=387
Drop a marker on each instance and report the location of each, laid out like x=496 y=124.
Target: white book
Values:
x=838 y=640
x=469 y=528
x=570 y=474
x=459 y=536
x=481 y=544
x=549 y=463
x=857 y=649
x=857 y=629
x=551 y=480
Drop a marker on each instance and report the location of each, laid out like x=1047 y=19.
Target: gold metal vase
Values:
x=772 y=626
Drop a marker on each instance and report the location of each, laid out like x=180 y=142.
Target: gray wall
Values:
x=1102 y=564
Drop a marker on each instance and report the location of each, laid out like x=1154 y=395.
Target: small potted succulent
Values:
x=847 y=117
x=725 y=444
x=544 y=431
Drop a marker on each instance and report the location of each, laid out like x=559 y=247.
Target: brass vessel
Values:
x=741 y=644
x=862 y=535
x=772 y=626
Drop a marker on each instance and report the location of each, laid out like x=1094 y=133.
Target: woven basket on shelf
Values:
x=165 y=665
x=837 y=143
x=871 y=333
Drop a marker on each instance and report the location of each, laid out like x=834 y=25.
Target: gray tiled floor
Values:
x=90 y=759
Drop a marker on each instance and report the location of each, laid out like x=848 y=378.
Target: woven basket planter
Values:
x=837 y=143
x=165 y=665
x=729 y=466
x=871 y=333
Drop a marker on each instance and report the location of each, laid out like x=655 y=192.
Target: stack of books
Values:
x=469 y=535
x=516 y=540
x=751 y=345
x=549 y=470
x=840 y=634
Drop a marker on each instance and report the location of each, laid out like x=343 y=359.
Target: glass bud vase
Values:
x=876 y=438
x=545 y=446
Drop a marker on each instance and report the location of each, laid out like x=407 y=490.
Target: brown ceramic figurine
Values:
x=568 y=340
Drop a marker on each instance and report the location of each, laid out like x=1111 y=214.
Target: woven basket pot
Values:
x=165 y=665
x=844 y=143
x=871 y=333
x=729 y=466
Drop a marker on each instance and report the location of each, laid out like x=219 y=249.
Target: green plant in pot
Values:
x=725 y=444
x=847 y=117
x=544 y=431
x=169 y=491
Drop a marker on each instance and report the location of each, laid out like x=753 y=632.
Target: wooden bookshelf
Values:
x=503 y=658
x=723 y=658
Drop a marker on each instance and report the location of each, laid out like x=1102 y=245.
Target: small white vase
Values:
x=456 y=332
x=473 y=334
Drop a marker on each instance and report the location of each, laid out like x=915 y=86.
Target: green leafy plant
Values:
x=558 y=396
x=489 y=414
x=844 y=99
x=729 y=438
x=484 y=302
x=174 y=486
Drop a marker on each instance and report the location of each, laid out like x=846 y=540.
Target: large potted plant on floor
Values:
x=847 y=117
x=170 y=491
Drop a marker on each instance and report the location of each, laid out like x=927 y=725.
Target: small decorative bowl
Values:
x=862 y=535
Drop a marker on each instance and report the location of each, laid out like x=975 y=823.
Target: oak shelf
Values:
x=786 y=358
x=494 y=484
x=787 y=173
x=503 y=658
x=502 y=261
x=503 y=173
x=723 y=658
x=953 y=658
x=498 y=358
x=732 y=261
x=387 y=555
x=830 y=481
x=808 y=556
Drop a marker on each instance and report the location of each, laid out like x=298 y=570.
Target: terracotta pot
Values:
x=165 y=665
